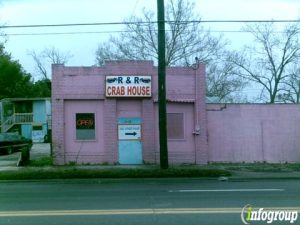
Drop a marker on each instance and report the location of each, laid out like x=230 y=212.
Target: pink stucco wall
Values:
x=83 y=151
x=253 y=132
x=212 y=132
x=82 y=89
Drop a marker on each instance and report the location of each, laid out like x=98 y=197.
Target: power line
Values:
x=242 y=21
x=112 y=31
x=72 y=24
x=64 y=33
x=145 y=22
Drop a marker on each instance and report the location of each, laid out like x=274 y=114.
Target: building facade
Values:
x=109 y=114
x=30 y=117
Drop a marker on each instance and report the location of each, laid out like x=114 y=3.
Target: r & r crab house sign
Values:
x=128 y=86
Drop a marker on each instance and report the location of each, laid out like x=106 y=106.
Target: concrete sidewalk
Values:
x=9 y=161
x=246 y=175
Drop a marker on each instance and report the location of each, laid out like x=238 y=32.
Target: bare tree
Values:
x=223 y=81
x=291 y=87
x=39 y=64
x=184 y=40
x=266 y=62
x=46 y=57
x=3 y=36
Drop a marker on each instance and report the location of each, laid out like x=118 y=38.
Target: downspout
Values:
x=196 y=131
x=197 y=126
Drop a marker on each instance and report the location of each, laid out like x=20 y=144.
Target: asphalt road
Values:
x=148 y=201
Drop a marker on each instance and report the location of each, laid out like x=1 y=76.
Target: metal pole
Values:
x=163 y=142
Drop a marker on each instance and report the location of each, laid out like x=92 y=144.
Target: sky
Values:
x=83 y=46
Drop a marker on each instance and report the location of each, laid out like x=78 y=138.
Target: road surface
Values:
x=141 y=201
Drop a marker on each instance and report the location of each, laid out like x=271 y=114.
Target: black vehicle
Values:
x=12 y=142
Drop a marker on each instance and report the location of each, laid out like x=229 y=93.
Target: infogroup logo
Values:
x=249 y=214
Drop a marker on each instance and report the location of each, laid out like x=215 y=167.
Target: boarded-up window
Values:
x=175 y=126
x=85 y=126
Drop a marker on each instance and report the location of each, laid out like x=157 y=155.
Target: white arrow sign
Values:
x=129 y=132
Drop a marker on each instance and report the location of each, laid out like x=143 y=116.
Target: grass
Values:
x=83 y=173
x=43 y=168
x=41 y=162
x=295 y=166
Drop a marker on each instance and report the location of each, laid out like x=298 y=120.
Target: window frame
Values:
x=75 y=127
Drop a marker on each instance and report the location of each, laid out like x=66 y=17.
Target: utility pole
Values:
x=163 y=142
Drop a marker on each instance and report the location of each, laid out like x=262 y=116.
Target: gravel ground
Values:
x=38 y=150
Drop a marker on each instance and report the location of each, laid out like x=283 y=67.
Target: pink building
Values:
x=109 y=114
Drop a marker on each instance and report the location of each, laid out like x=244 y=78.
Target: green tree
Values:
x=14 y=81
x=42 y=88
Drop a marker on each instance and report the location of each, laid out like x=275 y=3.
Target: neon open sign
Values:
x=85 y=121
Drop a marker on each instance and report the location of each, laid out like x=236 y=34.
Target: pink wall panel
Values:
x=184 y=150
x=254 y=132
x=84 y=151
x=129 y=108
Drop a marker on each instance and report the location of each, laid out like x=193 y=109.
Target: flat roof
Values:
x=25 y=99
